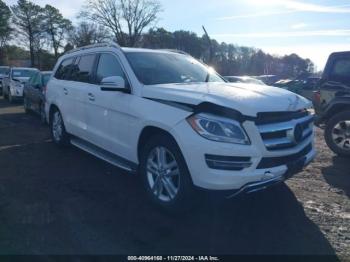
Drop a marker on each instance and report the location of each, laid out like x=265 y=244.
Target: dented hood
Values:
x=249 y=99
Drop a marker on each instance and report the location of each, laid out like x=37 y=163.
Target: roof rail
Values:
x=176 y=51
x=110 y=44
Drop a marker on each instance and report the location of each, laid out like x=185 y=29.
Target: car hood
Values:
x=249 y=99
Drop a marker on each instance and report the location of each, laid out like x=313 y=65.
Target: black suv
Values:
x=332 y=103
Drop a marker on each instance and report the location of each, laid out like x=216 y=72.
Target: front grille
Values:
x=269 y=162
x=276 y=117
x=286 y=134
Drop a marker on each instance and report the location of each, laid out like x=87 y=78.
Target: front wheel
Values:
x=26 y=104
x=337 y=133
x=10 y=97
x=58 y=130
x=165 y=174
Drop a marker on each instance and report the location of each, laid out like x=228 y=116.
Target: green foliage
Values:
x=228 y=59
x=55 y=26
x=28 y=19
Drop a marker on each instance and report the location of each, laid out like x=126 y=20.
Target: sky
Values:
x=312 y=29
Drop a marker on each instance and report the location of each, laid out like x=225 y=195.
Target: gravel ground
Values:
x=55 y=201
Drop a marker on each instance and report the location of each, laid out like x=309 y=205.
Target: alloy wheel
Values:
x=57 y=128
x=341 y=135
x=163 y=174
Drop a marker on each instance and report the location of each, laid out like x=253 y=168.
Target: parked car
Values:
x=13 y=84
x=308 y=87
x=244 y=79
x=332 y=103
x=34 y=93
x=4 y=71
x=176 y=122
x=303 y=87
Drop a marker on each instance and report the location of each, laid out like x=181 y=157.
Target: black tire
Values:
x=10 y=97
x=331 y=124
x=42 y=113
x=26 y=105
x=63 y=138
x=184 y=199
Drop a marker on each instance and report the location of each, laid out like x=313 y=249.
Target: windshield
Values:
x=22 y=73
x=4 y=71
x=165 y=68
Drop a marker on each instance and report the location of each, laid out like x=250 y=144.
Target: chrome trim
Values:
x=263 y=184
x=283 y=126
x=288 y=127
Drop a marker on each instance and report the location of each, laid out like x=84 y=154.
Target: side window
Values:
x=32 y=79
x=341 y=70
x=109 y=65
x=63 y=71
x=83 y=69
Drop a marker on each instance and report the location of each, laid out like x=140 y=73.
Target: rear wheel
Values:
x=58 y=130
x=165 y=174
x=337 y=133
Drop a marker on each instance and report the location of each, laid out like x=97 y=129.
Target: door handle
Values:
x=65 y=91
x=91 y=97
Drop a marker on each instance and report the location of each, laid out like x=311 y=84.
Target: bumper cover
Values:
x=294 y=167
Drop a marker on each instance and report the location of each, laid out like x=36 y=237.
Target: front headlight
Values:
x=218 y=129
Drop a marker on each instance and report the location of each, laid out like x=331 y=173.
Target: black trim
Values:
x=277 y=117
x=269 y=162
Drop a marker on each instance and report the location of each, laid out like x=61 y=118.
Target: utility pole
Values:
x=210 y=45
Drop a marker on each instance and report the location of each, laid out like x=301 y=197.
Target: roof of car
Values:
x=46 y=72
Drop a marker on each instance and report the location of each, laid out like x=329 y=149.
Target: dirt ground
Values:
x=64 y=201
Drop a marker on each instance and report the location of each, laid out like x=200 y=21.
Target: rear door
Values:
x=81 y=81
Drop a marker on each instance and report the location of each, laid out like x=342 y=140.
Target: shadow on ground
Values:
x=338 y=174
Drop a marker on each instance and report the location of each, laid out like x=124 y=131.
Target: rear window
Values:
x=4 y=71
x=22 y=73
x=64 y=70
x=341 y=70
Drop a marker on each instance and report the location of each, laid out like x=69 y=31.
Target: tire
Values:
x=169 y=186
x=10 y=98
x=337 y=133
x=42 y=113
x=26 y=105
x=58 y=131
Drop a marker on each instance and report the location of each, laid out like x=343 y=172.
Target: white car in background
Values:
x=177 y=123
x=14 y=82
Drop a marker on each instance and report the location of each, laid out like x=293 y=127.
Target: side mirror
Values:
x=113 y=83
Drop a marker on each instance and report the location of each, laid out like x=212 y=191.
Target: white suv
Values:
x=176 y=122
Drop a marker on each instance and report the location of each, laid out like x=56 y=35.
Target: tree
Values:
x=5 y=29
x=28 y=18
x=126 y=19
x=87 y=34
x=56 y=27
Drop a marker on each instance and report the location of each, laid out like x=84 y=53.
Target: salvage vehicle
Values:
x=177 y=123
x=4 y=71
x=34 y=94
x=13 y=84
x=332 y=103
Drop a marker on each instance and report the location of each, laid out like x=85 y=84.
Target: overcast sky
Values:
x=309 y=28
